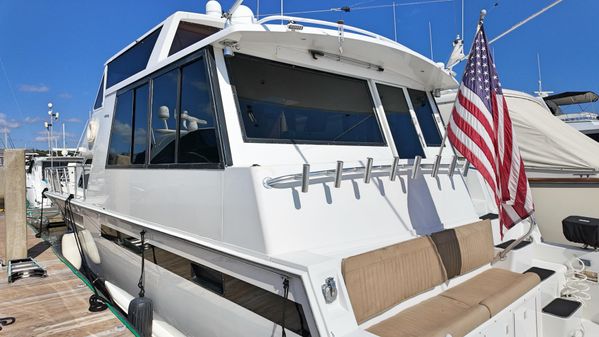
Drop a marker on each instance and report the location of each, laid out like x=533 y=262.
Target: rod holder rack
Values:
x=340 y=172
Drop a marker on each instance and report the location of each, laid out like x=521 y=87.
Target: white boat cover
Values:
x=545 y=141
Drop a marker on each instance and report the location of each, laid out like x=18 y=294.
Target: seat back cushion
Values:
x=465 y=248
x=380 y=279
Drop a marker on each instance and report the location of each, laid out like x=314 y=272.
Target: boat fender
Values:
x=89 y=245
x=70 y=250
x=141 y=311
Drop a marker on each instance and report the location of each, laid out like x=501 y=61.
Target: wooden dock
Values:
x=52 y=306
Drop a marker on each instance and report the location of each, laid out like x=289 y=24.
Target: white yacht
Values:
x=584 y=121
x=282 y=172
x=37 y=180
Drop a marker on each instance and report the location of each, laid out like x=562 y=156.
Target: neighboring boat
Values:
x=562 y=164
x=37 y=179
x=281 y=172
x=585 y=122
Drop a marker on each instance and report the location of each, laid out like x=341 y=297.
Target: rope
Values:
x=140 y=284
x=576 y=286
x=284 y=301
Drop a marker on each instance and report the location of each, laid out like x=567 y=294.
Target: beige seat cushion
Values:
x=465 y=248
x=495 y=289
x=382 y=278
x=435 y=317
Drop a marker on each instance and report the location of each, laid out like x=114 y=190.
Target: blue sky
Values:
x=53 y=51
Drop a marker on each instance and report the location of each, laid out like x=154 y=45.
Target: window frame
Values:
x=219 y=121
x=101 y=88
x=253 y=140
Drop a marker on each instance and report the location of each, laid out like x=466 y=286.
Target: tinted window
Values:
x=189 y=33
x=119 y=152
x=400 y=121
x=197 y=131
x=131 y=61
x=140 y=125
x=164 y=125
x=283 y=103
x=100 y=96
x=426 y=118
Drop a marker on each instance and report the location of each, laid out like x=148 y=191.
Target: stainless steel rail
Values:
x=65 y=179
x=367 y=172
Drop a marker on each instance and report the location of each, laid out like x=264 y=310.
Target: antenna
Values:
x=394 y=22
x=541 y=93
x=430 y=38
x=282 y=10
x=462 y=18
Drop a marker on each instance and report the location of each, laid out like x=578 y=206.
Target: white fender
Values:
x=70 y=251
x=89 y=246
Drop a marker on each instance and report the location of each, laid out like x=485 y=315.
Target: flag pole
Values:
x=481 y=19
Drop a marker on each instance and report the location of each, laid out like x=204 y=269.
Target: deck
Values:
x=52 y=306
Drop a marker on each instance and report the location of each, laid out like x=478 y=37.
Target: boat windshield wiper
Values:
x=352 y=127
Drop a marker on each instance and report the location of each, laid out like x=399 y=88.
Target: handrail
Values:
x=65 y=179
x=502 y=254
x=323 y=23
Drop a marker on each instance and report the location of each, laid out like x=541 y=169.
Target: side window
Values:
x=400 y=121
x=164 y=116
x=426 y=118
x=100 y=97
x=119 y=152
x=140 y=125
x=197 y=131
x=189 y=33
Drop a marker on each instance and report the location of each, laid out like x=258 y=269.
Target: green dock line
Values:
x=114 y=311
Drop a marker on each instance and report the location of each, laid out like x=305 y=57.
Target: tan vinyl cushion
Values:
x=435 y=317
x=476 y=245
x=494 y=288
x=382 y=278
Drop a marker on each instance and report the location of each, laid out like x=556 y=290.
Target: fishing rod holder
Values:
x=365 y=173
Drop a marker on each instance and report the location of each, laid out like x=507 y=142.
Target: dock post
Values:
x=14 y=205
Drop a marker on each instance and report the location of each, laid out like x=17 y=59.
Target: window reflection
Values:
x=426 y=118
x=197 y=129
x=164 y=115
x=284 y=103
x=140 y=124
x=400 y=121
x=119 y=152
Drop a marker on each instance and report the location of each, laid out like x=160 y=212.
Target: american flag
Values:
x=481 y=130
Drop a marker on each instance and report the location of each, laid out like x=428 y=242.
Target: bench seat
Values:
x=494 y=288
x=435 y=317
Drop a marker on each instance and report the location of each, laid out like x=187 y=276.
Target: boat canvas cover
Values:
x=544 y=140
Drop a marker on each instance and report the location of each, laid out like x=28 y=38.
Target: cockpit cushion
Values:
x=380 y=279
x=435 y=317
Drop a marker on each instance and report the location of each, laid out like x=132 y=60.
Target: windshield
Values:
x=288 y=104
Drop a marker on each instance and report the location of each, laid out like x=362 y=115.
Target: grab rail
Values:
x=324 y=23
x=66 y=180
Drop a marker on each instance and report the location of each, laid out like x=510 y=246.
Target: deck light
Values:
x=316 y=54
x=294 y=26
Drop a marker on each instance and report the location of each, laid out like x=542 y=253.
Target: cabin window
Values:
x=119 y=151
x=255 y=299
x=426 y=117
x=128 y=136
x=282 y=103
x=400 y=122
x=197 y=130
x=189 y=33
x=140 y=125
x=164 y=116
x=100 y=97
x=132 y=61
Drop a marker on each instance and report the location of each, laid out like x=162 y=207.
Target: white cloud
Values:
x=73 y=120
x=65 y=95
x=6 y=123
x=56 y=136
x=31 y=120
x=34 y=88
